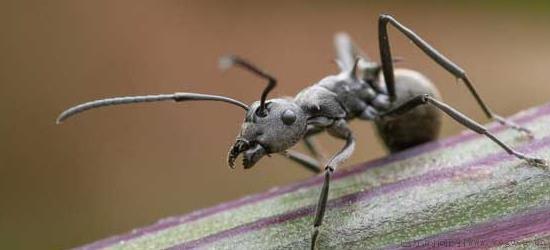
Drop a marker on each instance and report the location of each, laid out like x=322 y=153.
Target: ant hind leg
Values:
x=451 y=67
x=467 y=122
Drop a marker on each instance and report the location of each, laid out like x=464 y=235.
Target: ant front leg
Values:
x=464 y=120
x=312 y=146
x=304 y=160
x=387 y=67
x=310 y=163
x=339 y=130
x=315 y=126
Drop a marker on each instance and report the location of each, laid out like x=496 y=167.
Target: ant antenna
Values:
x=178 y=97
x=228 y=61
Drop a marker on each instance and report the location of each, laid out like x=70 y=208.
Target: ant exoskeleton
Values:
x=404 y=104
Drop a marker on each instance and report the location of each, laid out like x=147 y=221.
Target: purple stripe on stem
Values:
x=507 y=231
x=425 y=179
x=519 y=118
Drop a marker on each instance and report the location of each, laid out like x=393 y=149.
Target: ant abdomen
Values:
x=417 y=126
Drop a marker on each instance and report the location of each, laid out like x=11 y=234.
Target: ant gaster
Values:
x=404 y=104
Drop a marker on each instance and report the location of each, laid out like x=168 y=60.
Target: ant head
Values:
x=273 y=129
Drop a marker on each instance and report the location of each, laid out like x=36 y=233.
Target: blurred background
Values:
x=115 y=169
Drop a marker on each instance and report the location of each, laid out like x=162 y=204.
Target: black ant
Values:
x=404 y=104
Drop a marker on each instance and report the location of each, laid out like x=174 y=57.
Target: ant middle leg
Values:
x=451 y=67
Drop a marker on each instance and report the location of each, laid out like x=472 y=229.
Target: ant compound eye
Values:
x=288 y=117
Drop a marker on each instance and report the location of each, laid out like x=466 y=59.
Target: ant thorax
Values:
x=342 y=96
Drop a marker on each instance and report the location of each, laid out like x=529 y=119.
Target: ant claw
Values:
x=537 y=162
